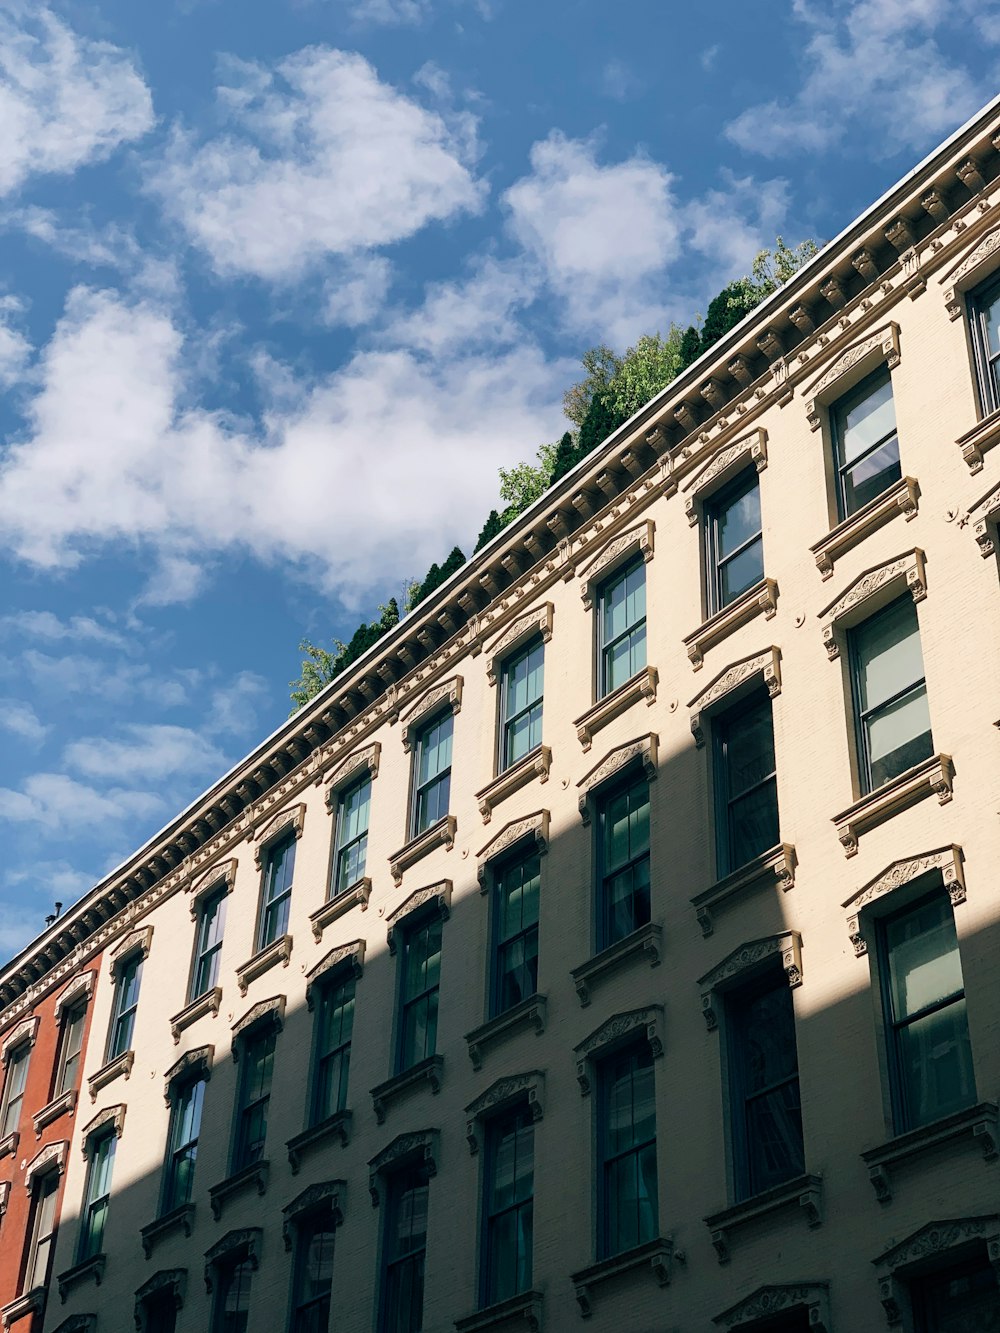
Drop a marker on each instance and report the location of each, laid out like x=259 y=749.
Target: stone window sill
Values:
x=119 y=1067
x=32 y=1302
x=73 y=1277
x=337 y=1126
x=429 y=1071
x=776 y=866
x=61 y=1106
x=530 y=1013
x=646 y=940
x=253 y=1176
x=441 y=834
x=641 y=686
x=900 y=498
x=979 y=440
x=209 y=1003
x=656 y=1255
x=522 y=1311
x=355 y=895
x=178 y=1219
x=804 y=1192
x=762 y=596
x=978 y=1123
x=279 y=951
x=8 y=1146
x=933 y=775
x=512 y=779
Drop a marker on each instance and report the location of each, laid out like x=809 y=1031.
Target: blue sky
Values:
x=283 y=283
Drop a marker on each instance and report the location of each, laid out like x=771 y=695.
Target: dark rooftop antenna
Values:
x=54 y=916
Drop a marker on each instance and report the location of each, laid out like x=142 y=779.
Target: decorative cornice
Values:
x=170 y=1280
x=641 y=686
x=505 y=1092
x=636 y=540
x=221 y=874
x=976 y=263
x=23 y=1034
x=111 y=1118
x=136 y=941
x=534 y=826
x=535 y=764
x=721 y=466
x=194 y=1064
x=869 y=591
x=207 y=1003
x=721 y=691
x=436 y=898
x=50 y=1158
x=936 y=1238
x=79 y=989
x=899 y=498
x=749 y=958
x=641 y=751
x=441 y=834
x=946 y=860
x=233 y=1247
x=418 y=1146
x=537 y=621
x=762 y=598
x=325 y=1197
x=290 y=820
x=271 y=1011
x=766 y=1302
x=345 y=959
x=862 y=356
x=278 y=951
x=446 y=695
x=349 y=770
x=934 y=776
x=616 y=1031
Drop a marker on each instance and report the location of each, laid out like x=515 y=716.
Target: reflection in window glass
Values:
x=894 y=729
x=746 y=783
x=624 y=835
x=521 y=703
x=627 y=1141
x=864 y=428
x=623 y=626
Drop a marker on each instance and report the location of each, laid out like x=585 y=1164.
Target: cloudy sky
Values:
x=284 y=282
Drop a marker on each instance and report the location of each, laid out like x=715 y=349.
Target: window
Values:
x=257 y=1058
x=627 y=1203
x=13 y=1091
x=984 y=312
x=890 y=695
x=734 y=543
x=231 y=1311
x=746 y=785
x=101 y=1151
x=623 y=831
x=866 y=449
x=962 y=1298
x=185 y=1126
x=208 y=942
x=126 y=1002
x=432 y=773
x=421 y=978
x=159 y=1312
x=622 y=626
x=44 y=1195
x=515 y=933
x=70 y=1048
x=766 y=1119
x=521 y=703
x=334 y=1022
x=277 y=897
x=930 y=1058
x=510 y=1188
x=403 y=1245
x=352 y=836
x=313 y=1277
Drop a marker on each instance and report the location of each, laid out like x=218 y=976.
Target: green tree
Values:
x=601 y=365
x=320 y=665
x=522 y=485
x=566 y=456
x=491 y=527
x=644 y=370
x=690 y=348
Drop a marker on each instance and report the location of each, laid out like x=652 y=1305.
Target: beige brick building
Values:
x=617 y=941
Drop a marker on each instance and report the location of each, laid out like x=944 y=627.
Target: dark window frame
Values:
x=19 y=1059
x=605 y=646
x=605 y=1158
x=344 y=848
x=724 y=801
x=404 y=1180
x=187 y=1150
x=499 y=945
x=311 y=1313
x=72 y=1015
x=987 y=365
x=121 y=1030
x=630 y=779
x=533 y=709
x=420 y=923
x=440 y=779
x=246 y=1106
x=47 y=1181
x=921 y=1284
x=519 y=1118
x=225 y=1271
x=206 y=948
x=340 y=979
x=102 y=1141
x=275 y=904
x=838 y=412
x=714 y=506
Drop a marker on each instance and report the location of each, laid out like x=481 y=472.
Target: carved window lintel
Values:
x=534 y=827
x=931 y=1247
x=433 y=897
x=270 y=1012
x=984 y=436
x=278 y=951
x=933 y=777
x=119 y=1067
x=178 y=1219
x=519 y=631
x=363 y=762
x=326 y=1197
x=505 y=1092
x=731 y=684
x=111 y=1120
x=899 y=498
x=621 y=548
x=78 y=991
x=655 y=1255
x=136 y=941
x=50 y=1158
x=252 y=1177
x=762 y=598
x=646 y=942
x=616 y=1031
x=643 y=750
x=851 y=366
x=336 y=1126
x=971 y=269
x=22 y=1035
x=208 y=1003
x=804 y=1192
x=869 y=592
x=290 y=820
x=721 y=468
x=221 y=875
x=233 y=1248
x=979 y=1124
x=429 y=1071
x=947 y=860
x=419 y=1146
x=170 y=1280
x=345 y=960
x=812 y=1297
x=512 y=779
x=776 y=866
x=641 y=686
x=193 y=1064
x=441 y=834
x=446 y=696
x=529 y=1013
x=984 y=516
x=733 y=969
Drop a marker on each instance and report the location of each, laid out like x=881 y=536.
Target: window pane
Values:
x=888 y=653
x=742 y=571
x=935 y=1059
x=435 y=750
x=924 y=958
x=991 y=323
x=739 y=520
x=749 y=741
x=753 y=824
x=871 y=475
x=899 y=736
x=235 y=1299
x=961 y=1300
x=868 y=420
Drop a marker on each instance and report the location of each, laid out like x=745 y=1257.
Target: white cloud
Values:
x=871 y=63
x=357 y=292
x=18 y=927
x=47 y=626
x=60 y=803
x=65 y=100
x=150 y=752
x=15 y=349
x=321 y=159
x=232 y=708
x=78 y=676
x=619 y=82
x=475 y=312
x=20 y=719
x=730 y=225
x=58 y=881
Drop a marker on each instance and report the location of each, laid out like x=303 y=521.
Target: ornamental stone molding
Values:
x=220 y=875
x=946 y=860
x=935 y=776
x=78 y=1323
x=420 y=1146
x=637 y=540
x=77 y=992
x=930 y=1246
x=136 y=941
x=618 y=1031
x=290 y=820
x=112 y=1117
x=441 y=834
x=173 y=1281
x=278 y=951
x=538 y=621
x=534 y=827
x=348 y=959
x=984 y=516
x=762 y=598
x=271 y=1011
x=23 y=1034
x=851 y=365
x=748 y=958
x=984 y=436
x=234 y=1247
x=899 y=498
x=325 y=1197
x=731 y=682
x=194 y=1064
x=435 y=897
x=535 y=764
x=50 y=1158
x=357 y=895
x=350 y=770
x=870 y=591
x=641 y=686
x=723 y=465
x=655 y=1256
x=643 y=750
x=977 y=263
x=767 y=1302
x=208 y=1003
x=977 y=1125
x=505 y=1092
x=775 y=867
x=447 y=696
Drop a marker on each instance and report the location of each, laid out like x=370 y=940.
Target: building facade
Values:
x=617 y=940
